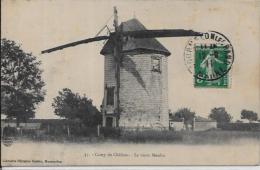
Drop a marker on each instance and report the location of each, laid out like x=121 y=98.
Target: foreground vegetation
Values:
x=152 y=136
x=191 y=137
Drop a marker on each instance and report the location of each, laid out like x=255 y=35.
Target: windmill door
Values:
x=109 y=121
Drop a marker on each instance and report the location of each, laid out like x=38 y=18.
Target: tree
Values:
x=220 y=115
x=72 y=106
x=21 y=82
x=186 y=115
x=250 y=115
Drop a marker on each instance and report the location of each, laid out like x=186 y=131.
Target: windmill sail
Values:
x=76 y=43
x=161 y=33
x=134 y=34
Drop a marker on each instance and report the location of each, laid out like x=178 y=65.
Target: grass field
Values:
x=190 y=137
x=152 y=136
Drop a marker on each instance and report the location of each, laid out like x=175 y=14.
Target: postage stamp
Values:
x=209 y=58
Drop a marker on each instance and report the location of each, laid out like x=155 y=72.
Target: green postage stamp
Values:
x=210 y=63
x=209 y=58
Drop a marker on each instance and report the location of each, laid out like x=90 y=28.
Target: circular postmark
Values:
x=209 y=57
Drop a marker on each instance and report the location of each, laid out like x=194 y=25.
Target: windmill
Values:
x=118 y=38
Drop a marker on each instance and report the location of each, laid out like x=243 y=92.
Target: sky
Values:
x=38 y=25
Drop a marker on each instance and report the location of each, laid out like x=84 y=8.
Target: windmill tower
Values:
x=136 y=84
x=143 y=91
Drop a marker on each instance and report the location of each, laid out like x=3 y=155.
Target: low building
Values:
x=177 y=125
x=30 y=124
x=199 y=124
x=34 y=124
x=202 y=124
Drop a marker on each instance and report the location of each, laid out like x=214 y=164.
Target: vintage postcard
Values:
x=143 y=82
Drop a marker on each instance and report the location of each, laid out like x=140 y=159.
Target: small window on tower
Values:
x=156 y=64
x=110 y=96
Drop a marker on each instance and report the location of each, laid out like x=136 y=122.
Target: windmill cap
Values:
x=142 y=45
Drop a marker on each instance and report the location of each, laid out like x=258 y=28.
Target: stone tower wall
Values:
x=143 y=92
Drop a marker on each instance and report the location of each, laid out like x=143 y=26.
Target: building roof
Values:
x=147 y=45
x=202 y=119
x=35 y=120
